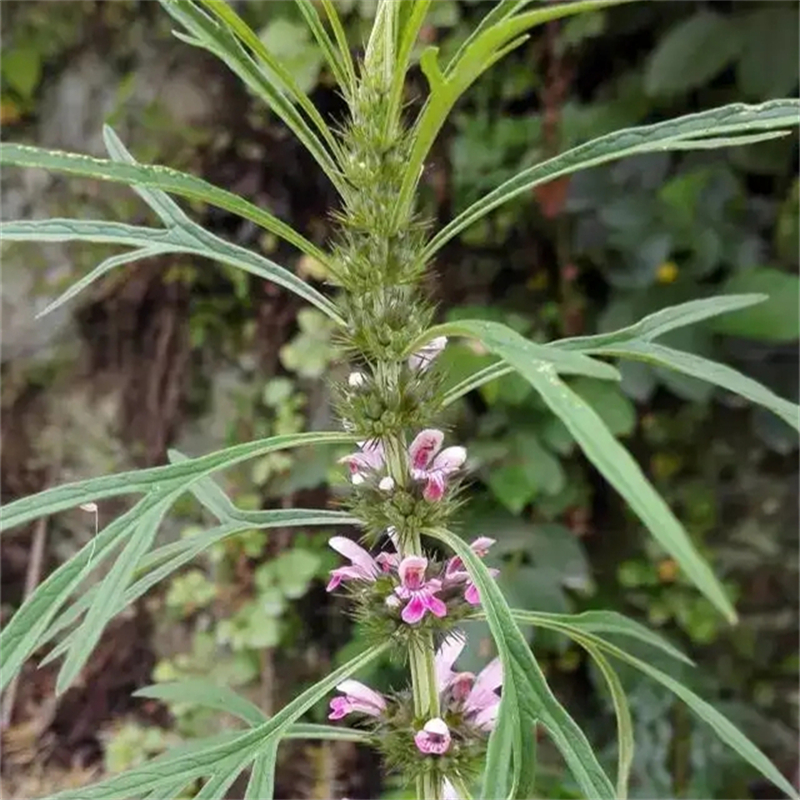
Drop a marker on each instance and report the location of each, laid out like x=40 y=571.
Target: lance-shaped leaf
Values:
x=482 y=52
x=518 y=351
x=408 y=36
x=607 y=622
x=22 y=633
x=618 y=467
x=476 y=380
x=157 y=177
x=662 y=321
x=198 y=762
x=152 y=242
x=526 y=696
x=205 y=694
x=162 y=562
x=625 y=743
x=102 y=608
x=726 y=731
x=181 y=475
x=261 y=785
x=682 y=133
x=339 y=61
x=647 y=328
x=216 y=27
x=705 y=369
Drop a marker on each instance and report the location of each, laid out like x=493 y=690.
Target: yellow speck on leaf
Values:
x=667 y=272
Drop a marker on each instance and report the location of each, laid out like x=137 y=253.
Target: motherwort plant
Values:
x=413 y=580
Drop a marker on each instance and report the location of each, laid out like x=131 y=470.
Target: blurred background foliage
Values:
x=175 y=353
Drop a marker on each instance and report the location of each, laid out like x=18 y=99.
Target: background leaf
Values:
x=692 y=52
x=777 y=319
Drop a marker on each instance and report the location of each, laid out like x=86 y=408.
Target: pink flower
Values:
x=455 y=572
x=368 y=458
x=481 y=545
x=363 y=566
x=434 y=738
x=471 y=594
x=475 y=696
x=426 y=465
x=424 y=357
x=421 y=594
x=356 y=697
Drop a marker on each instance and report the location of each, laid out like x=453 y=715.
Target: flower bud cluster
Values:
x=399 y=597
x=451 y=744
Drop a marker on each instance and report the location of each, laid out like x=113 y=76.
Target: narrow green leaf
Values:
x=168 y=791
x=101 y=269
x=186 y=238
x=485 y=49
x=157 y=177
x=222 y=778
x=726 y=731
x=707 y=713
x=207 y=492
x=198 y=762
x=307 y=730
x=138 y=481
x=707 y=370
x=518 y=351
x=206 y=694
x=500 y=12
x=21 y=634
x=408 y=37
x=732 y=119
x=531 y=697
x=103 y=608
x=615 y=463
x=231 y=22
x=218 y=29
x=261 y=785
x=662 y=321
x=346 y=60
x=340 y=63
x=505 y=744
x=476 y=380
x=164 y=207
x=604 y=622
x=625 y=743
x=165 y=560
x=714 y=143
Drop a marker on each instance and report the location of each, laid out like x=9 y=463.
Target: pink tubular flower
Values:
x=424 y=357
x=368 y=458
x=363 y=566
x=434 y=738
x=475 y=696
x=426 y=465
x=356 y=697
x=421 y=594
x=455 y=572
x=471 y=594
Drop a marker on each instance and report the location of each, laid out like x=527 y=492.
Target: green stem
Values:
x=421 y=653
